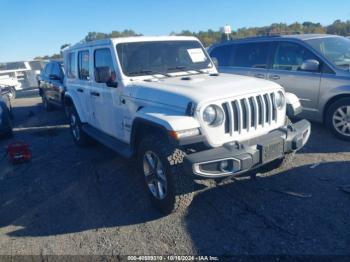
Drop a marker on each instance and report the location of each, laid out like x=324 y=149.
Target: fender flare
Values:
x=77 y=105
x=162 y=120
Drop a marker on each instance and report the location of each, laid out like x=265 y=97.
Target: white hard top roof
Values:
x=118 y=40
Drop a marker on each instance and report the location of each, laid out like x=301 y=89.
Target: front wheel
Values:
x=338 y=118
x=46 y=104
x=160 y=164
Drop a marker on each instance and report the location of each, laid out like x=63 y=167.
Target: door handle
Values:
x=259 y=76
x=275 y=77
x=80 y=90
x=94 y=94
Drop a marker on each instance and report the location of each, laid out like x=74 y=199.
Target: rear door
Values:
x=285 y=69
x=78 y=80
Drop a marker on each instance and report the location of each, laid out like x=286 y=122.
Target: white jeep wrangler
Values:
x=162 y=100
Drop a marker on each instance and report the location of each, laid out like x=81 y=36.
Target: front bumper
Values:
x=236 y=158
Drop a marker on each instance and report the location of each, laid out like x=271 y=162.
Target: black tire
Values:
x=332 y=113
x=179 y=186
x=79 y=136
x=46 y=104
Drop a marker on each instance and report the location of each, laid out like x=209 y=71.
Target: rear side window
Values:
x=290 y=56
x=253 y=55
x=103 y=58
x=71 y=66
x=83 y=65
x=223 y=54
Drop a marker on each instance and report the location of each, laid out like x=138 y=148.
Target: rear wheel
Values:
x=79 y=136
x=160 y=164
x=338 y=118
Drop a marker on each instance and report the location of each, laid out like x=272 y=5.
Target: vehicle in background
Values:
x=162 y=101
x=10 y=84
x=34 y=71
x=5 y=114
x=51 y=85
x=314 y=67
x=24 y=72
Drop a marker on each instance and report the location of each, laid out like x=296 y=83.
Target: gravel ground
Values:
x=69 y=200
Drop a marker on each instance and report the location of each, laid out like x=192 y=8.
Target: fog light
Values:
x=230 y=166
x=224 y=165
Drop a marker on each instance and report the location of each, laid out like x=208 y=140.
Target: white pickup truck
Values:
x=161 y=100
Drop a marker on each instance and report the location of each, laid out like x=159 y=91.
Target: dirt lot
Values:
x=90 y=201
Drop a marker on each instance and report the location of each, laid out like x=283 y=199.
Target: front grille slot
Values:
x=253 y=109
x=227 y=118
x=248 y=114
x=235 y=115
x=260 y=110
x=244 y=114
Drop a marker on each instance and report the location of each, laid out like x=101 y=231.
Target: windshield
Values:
x=162 y=57
x=335 y=49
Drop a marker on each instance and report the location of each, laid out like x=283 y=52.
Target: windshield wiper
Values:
x=185 y=69
x=149 y=72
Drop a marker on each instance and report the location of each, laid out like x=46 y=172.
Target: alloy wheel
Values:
x=74 y=126
x=341 y=120
x=155 y=175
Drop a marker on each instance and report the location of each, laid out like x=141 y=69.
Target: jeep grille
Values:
x=247 y=114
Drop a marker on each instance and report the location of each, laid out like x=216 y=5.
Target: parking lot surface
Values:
x=70 y=200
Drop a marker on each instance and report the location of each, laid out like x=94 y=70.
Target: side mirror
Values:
x=215 y=61
x=104 y=74
x=310 y=65
x=55 y=77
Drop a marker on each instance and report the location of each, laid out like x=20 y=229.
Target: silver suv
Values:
x=313 y=67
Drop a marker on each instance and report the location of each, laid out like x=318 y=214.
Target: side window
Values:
x=103 y=59
x=252 y=55
x=223 y=54
x=84 y=65
x=290 y=56
x=72 y=65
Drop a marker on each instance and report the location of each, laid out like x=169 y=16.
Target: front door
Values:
x=105 y=101
x=286 y=71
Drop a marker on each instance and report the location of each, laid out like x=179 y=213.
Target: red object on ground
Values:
x=19 y=152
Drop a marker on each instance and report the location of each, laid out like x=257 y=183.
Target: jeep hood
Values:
x=180 y=90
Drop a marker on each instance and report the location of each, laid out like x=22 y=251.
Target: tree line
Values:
x=209 y=37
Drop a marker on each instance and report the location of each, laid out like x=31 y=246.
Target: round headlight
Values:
x=213 y=115
x=280 y=100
